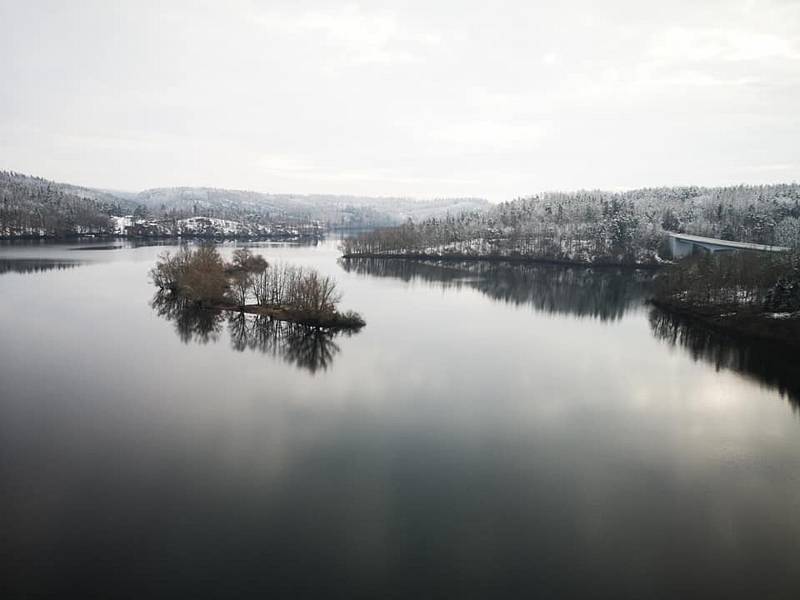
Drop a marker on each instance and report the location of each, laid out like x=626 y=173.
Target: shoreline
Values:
x=744 y=324
x=500 y=258
x=336 y=321
x=106 y=236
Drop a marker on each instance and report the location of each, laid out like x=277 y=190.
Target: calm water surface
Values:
x=493 y=431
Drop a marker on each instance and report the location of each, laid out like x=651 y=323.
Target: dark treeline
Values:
x=605 y=294
x=766 y=363
x=754 y=295
x=307 y=347
x=768 y=281
x=35 y=207
x=599 y=227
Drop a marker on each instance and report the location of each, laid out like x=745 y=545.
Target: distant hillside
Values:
x=35 y=207
x=332 y=211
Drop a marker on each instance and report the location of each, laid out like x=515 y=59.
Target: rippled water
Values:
x=493 y=431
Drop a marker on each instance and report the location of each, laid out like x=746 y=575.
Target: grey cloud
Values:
x=419 y=98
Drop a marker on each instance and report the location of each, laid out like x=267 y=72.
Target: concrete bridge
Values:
x=683 y=244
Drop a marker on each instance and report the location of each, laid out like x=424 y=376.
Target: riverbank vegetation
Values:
x=594 y=227
x=752 y=293
x=283 y=292
x=757 y=280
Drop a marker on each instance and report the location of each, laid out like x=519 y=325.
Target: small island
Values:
x=282 y=292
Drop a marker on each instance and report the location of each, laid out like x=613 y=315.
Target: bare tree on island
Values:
x=243 y=271
x=284 y=292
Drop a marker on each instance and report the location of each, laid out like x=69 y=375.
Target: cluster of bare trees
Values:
x=198 y=274
x=734 y=279
x=201 y=275
x=288 y=285
x=242 y=272
x=280 y=285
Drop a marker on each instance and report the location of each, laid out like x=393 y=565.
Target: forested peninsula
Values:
x=595 y=227
x=743 y=292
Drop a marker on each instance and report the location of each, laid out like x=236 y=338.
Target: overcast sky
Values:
x=452 y=98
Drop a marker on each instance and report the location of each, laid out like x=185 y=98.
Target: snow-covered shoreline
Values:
x=129 y=227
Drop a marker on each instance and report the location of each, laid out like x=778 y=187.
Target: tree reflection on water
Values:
x=601 y=293
x=770 y=364
x=36 y=265
x=310 y=348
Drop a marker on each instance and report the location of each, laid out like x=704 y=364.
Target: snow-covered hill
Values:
x=333 y=211
x=209 y=227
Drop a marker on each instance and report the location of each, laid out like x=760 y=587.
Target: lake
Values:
x=493 y=431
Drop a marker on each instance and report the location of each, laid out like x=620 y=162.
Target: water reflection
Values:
x=98 y=247
x=35 y=265
x=192 y=324
x=525 y=455
x=604 y=294
x=309 y=348
x=767 y=363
